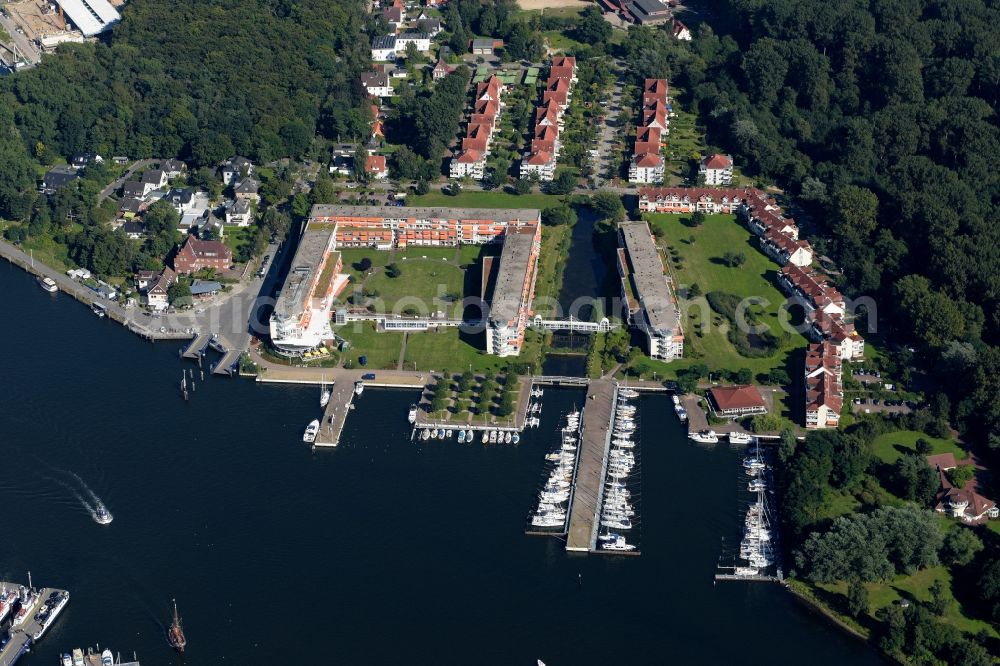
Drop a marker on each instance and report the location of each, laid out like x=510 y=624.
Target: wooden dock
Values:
x=751 y=579
x=591 y=465
x=335 y=414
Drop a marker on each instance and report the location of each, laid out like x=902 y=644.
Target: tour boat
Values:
x=101 y=514
x=359 y=388
x=740 y=438
x=309 y=436
x=412 y=416
x=461 y=437
x=48 y=284
x=705 y=437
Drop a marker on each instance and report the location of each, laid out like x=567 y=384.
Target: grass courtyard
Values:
x=493 y=199
x=890 y=446
x=693 y=255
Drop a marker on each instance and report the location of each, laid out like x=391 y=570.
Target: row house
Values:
x=839 y=332
x=683 y=200
x=824 y=396
x=542 y=156
x=811 y=290
x=470 y=159
x=785 y=249
x=647 y=165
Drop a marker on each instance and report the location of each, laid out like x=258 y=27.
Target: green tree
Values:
x=960 y=546
x=915 y=479
x=393 y=270
x=857 y=598
x=360 y=165
x=608 y=205
x=522 y=186
x=698 y=218
x=179 y=290
x=961 y=475
x=564 y=183
x=694 y=291
x=561 y=214
x=591 y=28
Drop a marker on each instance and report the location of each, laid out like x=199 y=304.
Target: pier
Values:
x=591 y=465
x=335 y=414
x=197 y=347
x=23 y=636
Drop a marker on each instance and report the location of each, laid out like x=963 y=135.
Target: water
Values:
x=586 y=269
x=380 y=552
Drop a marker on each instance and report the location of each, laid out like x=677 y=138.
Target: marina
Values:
x=31 y=612
x=95 y=656
x=595 y=440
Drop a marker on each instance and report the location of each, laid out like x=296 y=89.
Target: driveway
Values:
x=110 y=189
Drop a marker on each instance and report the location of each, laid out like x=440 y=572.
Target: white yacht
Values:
x=756 y=484
x=65 y=659
x=616 y=523
x=628 y=393
x=412 y=416
x=48 y=284
x=747 y=571
x=676 y=398
x=507 y=437
x=515 y=438
x=448 y=433
x=107 y=659
x=548 y=520
x=618 y=544
x=470 y=435
x=434 y=433
x=359 y=387
x=425 y=434
x=740 y=438
x=309 y=436
x=681 y=413
x=705 y=437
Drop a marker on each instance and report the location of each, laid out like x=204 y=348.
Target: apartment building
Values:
x=542 y=156
x=647 y=164
x=824 y=398
x=650 y=302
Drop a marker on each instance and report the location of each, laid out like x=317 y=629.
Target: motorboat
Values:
x=425 y=434
x=507 y=437
x=440 y=433
x=99 y=310
x=78 y=657
x=676 y=399
x=756 y=485
x=359 y=387
x=616 y=523
x=469 y=436
x=65 y=659
x=412 y=416
x=309 y=436
x=461 y=437
x=618 y=544
x=107 y=659
x=448 y=433
x=747 y=571
x=434 y=433
x=101 y=514
x=610 y=536
x=740 y=438
x=681 y=413
x=515 y=438
x=548 y=520
x=705 y=437
x=48 y=284
x=628 y=393
x=493 y=436
x=553 y=457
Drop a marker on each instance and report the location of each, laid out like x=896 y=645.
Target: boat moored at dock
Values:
x=705 y=437
x=48 y=284
x=309 y=436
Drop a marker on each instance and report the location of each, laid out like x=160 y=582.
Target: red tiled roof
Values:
x=540 y=158
x=737 y=397
x=546 y=132
x=943 y=461
x=564 y=61
x=648 y=135
x=717 y=161
x=647 y=159
x=469 y=157
x=656 y=86
x=375 y=164
x=560 y=73
x=559 y=97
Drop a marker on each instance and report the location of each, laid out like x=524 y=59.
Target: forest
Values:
x=879 y=117
x=199 y=79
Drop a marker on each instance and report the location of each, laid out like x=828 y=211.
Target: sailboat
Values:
x=175 y=634
x=324 y=394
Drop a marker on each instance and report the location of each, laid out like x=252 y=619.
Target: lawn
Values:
x=236 y=237
x=381 y=348
x=701 y=264
x=551 y=262
x=45 y=250
x=917 y=587
x=884 y=446
x=450 y=349
x=422 y=284
x=351 y=256
x=476 y=199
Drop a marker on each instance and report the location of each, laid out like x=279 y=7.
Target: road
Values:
x=110 y=189
x=604 y=168
x=28 y=51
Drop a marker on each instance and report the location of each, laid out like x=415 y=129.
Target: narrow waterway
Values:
x=383 y=551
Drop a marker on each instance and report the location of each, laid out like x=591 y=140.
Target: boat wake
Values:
x=87 y=498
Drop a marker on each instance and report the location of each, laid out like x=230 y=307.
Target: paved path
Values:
x=603 y=167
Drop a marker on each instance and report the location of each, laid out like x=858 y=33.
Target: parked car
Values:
x=368 y=376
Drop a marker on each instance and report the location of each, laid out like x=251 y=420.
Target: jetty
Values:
x=335 y=414
x=197 y=347
x=22 y=637
x=592 y=460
